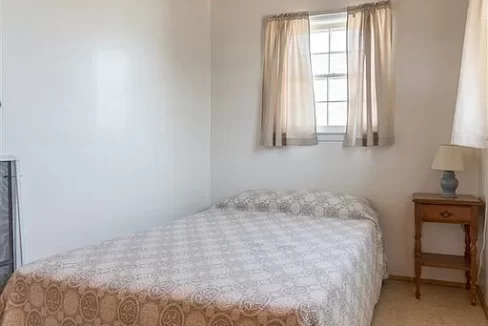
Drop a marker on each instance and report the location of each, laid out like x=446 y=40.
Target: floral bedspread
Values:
x=261 y=258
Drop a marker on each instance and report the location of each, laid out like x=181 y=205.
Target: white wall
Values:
x=482 y=191
x=428 y=46
x=107 y=104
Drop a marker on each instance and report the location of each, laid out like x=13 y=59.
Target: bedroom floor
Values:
x=439 y=306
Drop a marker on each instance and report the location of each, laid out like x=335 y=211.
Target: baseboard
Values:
x=481 y=298
x=429 y=281
x=482 y=301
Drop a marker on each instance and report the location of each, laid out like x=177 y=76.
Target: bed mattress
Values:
x=229 y=265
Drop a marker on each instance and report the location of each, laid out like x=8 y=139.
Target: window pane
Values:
x=319 y=42
x=338 y=89
x=338 y=63
x=321 y=113
x=320 y=64
x=320 y=88
x=338 y=40
x=337 y=114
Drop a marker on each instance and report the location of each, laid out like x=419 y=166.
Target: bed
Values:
x=259 y=258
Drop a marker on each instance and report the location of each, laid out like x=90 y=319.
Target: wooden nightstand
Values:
x=465 y=210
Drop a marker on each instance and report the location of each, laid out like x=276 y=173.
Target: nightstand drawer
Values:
x=447 y=214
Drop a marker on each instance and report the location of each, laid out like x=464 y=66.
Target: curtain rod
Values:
x=344 y=10
x=328 y=12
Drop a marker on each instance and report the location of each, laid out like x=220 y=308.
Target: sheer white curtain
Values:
x=471 y=119
x=288 y=107
x=370 y=76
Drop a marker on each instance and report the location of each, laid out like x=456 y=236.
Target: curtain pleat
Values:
x=288 y=106
x=370 y=76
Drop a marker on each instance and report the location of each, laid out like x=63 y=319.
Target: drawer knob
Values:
x=446 y=214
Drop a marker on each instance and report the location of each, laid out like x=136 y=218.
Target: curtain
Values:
x=370 y=76
x=288 y=106
x=471 y=119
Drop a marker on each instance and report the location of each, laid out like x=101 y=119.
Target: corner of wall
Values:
x=483 y=192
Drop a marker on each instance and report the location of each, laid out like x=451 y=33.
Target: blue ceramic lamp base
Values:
x=449 y=184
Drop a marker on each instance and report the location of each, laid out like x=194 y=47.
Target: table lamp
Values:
x=449 y=159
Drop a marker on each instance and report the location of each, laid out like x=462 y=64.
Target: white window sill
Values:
x=331 y=134
x=330 y=137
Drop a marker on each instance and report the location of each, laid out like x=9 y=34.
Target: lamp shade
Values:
x=449 y=158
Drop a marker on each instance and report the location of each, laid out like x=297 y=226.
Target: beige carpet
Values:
x=437 y=306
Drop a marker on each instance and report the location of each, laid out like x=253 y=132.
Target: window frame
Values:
x=329 y=133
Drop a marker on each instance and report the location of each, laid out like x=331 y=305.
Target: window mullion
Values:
x=330 y=52
x=318 y=76
x=328 y=83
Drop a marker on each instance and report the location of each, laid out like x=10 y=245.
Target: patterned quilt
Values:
x=260 y=258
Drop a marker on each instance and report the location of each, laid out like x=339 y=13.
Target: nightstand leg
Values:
x=474 y=264
x=467 y=254
x=418 y=253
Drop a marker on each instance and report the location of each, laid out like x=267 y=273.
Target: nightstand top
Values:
x=430 y=198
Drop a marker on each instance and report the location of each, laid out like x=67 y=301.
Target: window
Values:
x=329 y=65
